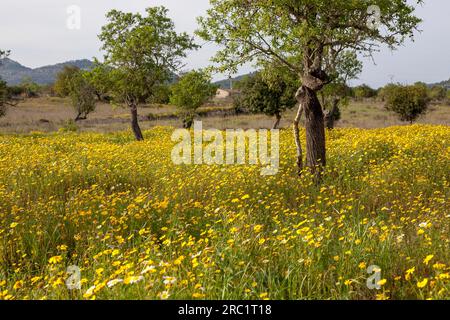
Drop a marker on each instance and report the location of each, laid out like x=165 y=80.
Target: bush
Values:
x=363 y=92
x=190 y=93
x=29 y=88
x=271 y=97
x=63 y=79
x=437 y=93
x=408 y=102
x=82 y=95
x=161 y=94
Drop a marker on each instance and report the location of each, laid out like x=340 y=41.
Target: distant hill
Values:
x=13 y=72
x=225 y=84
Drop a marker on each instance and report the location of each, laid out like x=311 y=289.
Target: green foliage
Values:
x=303 y=35
x=270 y=96
x=63 y=80
x=409 y=102
x=141 y=52
x=192 y=91
x=383 y=92
x=29 y=87
x=161 y=94
x=344 y=67
x=364 y=91
x=100 y=80
x=437 y=93
x=82 y=95
x=3 y=98
x=8 y=97
x=300 y=34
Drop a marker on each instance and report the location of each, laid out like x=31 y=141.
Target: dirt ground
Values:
x=48 y=114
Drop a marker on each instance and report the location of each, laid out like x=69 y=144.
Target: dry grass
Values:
x=49 y=114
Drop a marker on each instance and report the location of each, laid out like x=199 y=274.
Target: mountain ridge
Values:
x=13 y=72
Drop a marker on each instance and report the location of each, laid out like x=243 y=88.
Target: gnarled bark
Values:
x=314 y=124
x=135 y=123
x=298 y=143
x=315 y=132
x=330 y=117
x=277 y=121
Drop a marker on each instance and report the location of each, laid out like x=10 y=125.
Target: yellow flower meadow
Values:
x=126 y=223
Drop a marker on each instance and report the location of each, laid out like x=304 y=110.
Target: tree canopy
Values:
x=82 y=94
x=141 y=52
x=191 y=91
x=63 y=80
x=408 y=102
x=270 y=96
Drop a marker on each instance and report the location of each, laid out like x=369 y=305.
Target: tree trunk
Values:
x=330 y=118
x=298 y=143
x=277 y=122
x=315 y=132
x=135 y=124
x=80 y=117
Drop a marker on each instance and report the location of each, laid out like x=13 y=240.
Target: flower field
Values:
x=139 y=227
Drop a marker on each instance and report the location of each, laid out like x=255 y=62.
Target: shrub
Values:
x=190 y=93
x=408 y=102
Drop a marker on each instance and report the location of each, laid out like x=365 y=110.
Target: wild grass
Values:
x=28 y=116
x=140 y=227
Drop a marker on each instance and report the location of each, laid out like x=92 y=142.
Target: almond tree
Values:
x=192 y=91
x=300 y=34
x=141 y=52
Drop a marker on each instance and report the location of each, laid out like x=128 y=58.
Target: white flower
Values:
x=169 y=280
x=164 y=295
x=133 y=279
x=147 y=269
x=400 y=237
x=89 y=291
x=112 y=283
x=423 y=225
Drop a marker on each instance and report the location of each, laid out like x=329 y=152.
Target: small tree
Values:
x=192 y=91
x=437 y=93
x=82 y=95
x=141 y=53
x=29 y=87
x=363 y=92
x=384 y=91
x=270 y=96
x=408 y=102
x=63 y=80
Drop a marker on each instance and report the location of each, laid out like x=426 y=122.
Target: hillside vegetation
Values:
x=14 y=73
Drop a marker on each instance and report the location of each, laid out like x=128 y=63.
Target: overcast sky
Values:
x=36 y=33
